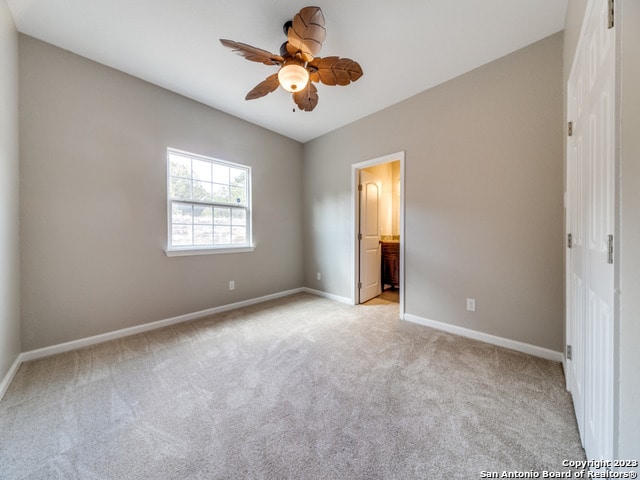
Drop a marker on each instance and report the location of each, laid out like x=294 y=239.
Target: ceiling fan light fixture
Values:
x=293 y=77
x=300 y=65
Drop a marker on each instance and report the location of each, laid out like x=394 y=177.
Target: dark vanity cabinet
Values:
x=390 y=264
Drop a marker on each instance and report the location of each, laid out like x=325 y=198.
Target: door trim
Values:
x=355 y=221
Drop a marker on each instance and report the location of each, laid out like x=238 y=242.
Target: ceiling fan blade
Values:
x=307 y=33
x=263 y=88
x=253 y=53
x=336 y=70
x=306 y=99
x=314 y=77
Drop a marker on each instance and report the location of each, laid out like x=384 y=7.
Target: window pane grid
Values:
x=208 y=225
x=190 y=179
x=208 y=202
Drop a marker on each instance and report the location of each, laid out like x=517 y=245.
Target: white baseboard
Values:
x=488 y=338
x=330 y=296
x=8 y=378
x=125 y=332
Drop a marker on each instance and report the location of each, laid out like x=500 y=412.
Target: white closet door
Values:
x=576 y=181
x=591 y=210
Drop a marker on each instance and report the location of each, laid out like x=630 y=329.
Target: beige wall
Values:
x=484 y=197
x=627 y=440
x=9 y=181
x=93 y=201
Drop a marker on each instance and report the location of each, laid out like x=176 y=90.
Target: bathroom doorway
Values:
x=378 y=226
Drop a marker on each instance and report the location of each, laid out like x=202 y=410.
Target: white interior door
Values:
x=591 y=209
x=576 y=180
x=599 y=113
x=370 y=261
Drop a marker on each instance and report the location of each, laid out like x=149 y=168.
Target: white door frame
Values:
x=355 y=221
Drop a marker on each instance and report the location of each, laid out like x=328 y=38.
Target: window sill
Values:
x=181 y=252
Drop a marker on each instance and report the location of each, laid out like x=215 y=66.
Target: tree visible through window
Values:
x=209 y=202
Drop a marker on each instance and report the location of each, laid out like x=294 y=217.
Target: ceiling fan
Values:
x=298 y=61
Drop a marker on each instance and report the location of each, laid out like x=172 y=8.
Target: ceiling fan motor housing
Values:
x=283 y=50
x=287 y=25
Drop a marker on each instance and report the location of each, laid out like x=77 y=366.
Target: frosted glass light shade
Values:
x=293 y=78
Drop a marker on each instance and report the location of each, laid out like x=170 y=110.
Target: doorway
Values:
x=378 y=192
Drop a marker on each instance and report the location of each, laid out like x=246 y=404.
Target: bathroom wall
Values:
x=395 y=198
x=388 y=175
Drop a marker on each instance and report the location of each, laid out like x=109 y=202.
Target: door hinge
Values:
x=359 y=284
x=359 y=236
x=360 y=187
x=610 y=250
x=568 y=352
x=569 y=240
x=570 y=129
x=611 y=14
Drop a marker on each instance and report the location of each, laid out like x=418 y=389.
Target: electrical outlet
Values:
x=319 y=276
x=232 y=285
x=471 y=304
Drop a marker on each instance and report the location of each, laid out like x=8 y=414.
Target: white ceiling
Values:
x=403 y=46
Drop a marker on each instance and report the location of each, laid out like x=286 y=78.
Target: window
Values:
x=209 y=205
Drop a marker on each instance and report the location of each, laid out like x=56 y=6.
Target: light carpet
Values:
x=297 y=388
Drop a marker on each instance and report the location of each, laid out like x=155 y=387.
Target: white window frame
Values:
x=176 y=250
